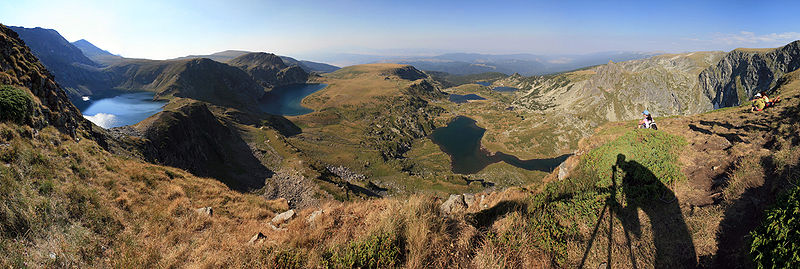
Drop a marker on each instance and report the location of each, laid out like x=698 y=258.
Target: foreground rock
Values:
x=257 y=238
x=283 y=217
x=453 y=204
x=205 y=211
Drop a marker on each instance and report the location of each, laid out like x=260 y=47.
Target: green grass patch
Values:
x=655 y=152
x=382 y=250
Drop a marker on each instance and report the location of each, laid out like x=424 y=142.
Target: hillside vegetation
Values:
x=712 y=190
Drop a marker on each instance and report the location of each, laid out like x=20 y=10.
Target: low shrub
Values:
x=15 y=105
x=382 y=250
x=776 y=243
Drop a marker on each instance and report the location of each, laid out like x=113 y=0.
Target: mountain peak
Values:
x=90 y=50
x=259 y=59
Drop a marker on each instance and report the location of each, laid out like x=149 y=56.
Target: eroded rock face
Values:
x=745 y=72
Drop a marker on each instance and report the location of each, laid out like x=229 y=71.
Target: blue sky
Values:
x=167 y=29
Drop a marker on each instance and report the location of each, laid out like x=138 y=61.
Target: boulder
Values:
x=283 y=217
x=453 y=204
x=314 y=215
x=205 y=211
x=257 y=238
x=469 y=199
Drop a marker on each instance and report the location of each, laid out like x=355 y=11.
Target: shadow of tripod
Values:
x=674 y=248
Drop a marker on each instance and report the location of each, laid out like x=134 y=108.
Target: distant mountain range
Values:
x=225 y=56
x=474 y=63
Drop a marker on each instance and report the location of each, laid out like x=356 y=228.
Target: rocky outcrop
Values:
x=745 y=72
x=19 y=67
x=393 y=133
x=454 y=204
x=664 y=84
x=269 y=69
x=283 y=217
x=207 y=211
x=424 y=88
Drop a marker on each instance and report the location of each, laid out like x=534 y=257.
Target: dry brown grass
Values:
x=356 y=85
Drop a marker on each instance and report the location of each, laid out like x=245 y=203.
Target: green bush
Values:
x=776 y=243
x=381 y=250
x=15 y=105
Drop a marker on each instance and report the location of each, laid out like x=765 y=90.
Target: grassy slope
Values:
x=100 y=209
x=73 y=204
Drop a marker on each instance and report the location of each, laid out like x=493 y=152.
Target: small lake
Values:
x=483 y=83
x=460 y=99
x=461 y=139
x=504 y=89
x=120 y=110
x=286 y=100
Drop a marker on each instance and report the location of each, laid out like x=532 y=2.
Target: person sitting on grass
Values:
x=646 y=121
x=758 y=103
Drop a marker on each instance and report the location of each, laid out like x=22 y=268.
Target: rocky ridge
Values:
x=744 y=72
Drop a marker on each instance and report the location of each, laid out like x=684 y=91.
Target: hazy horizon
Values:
x=159 y=30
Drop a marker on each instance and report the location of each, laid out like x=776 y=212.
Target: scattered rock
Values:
x=453 y=204
x=314 y=215
x=283 y=217
x=205 y=211
x=257 y=238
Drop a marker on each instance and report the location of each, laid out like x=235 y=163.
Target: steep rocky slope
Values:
x=269 y=69
x=664 y=84
x=19 y=67
x=744 y=72
x=76 y=73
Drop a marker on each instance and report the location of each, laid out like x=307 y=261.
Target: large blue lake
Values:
x=120 y=110
x=286 y=100
x=461 y=139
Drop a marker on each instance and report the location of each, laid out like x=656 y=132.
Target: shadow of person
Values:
x=643 y=190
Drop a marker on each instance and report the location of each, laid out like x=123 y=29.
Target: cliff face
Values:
x=744 y=72
x=269 y=69
x=19 y=67
x=664 y=84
